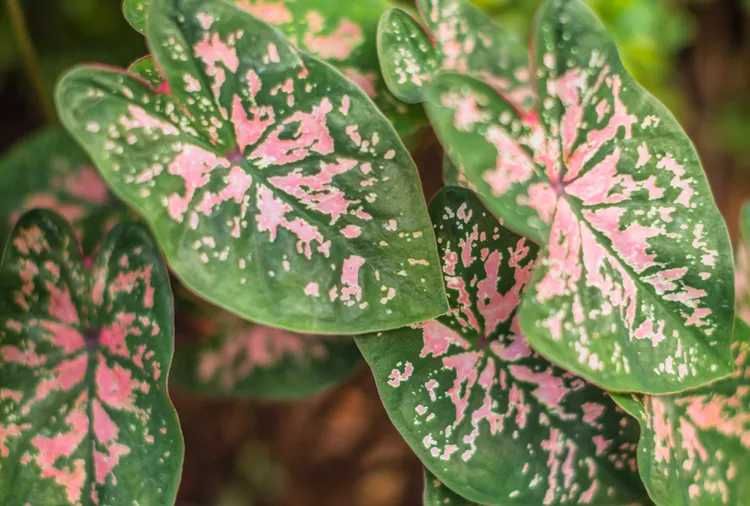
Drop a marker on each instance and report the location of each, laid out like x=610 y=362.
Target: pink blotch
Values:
x=194 y=165
x=115 y=386
x=337 y=45
x=351 y=231
x=465 y=366
x=467 y=244
x=438 y=339
x=397 y=377
x=67 y=338
x=513 y=165
x=106 y=433
x=550 y=389
x=312 y=135
x=312 y=289
x=87 y=185
x=317 y=191
x=350 y=279
x=140 y=119
x=61 y=306
x=126 y=282
x=114 y=336
x=273 y=53
x=275 y=13
x=238 y=183
x=365 y=80
x=247 y=131
x=213 y=51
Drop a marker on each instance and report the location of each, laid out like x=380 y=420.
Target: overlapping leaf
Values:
x=458 y=37
x=634 y=290
x=274 y=186
x=492 y=419
x=437 y=494
x=84 y=356
x=50 y=170
x=224 y=355
x=695 y=446
x=342 y=33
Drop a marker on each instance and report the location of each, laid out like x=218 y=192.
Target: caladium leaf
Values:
x=492 y=419
x=695 y=446
x=742 y=269
x=458 y=37
x=48 y=169
x=224 y=355
x=634 y=291
x=342 y=33
x=274 y=186
x=84 y=357
x=437 y=494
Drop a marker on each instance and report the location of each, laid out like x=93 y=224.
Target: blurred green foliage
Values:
x=67 y=32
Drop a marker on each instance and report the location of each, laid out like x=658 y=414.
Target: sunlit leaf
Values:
x=634 y=291
x=492 y=419
x=437 y=494
x=341 y=33
x=221 y=354
x=84 y=358
x=49 y=170
x=695 y=446
x=458 y=37
x=274 y=186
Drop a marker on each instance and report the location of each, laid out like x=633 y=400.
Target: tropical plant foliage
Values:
x=557 y=328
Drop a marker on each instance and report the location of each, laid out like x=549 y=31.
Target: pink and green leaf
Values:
x=437 y=494
x=84 y=358
x=274 y=186
x=224 y=355
x=341 y=33
x=458 y=37
x=695 y=446
x=491 y=418
x=634 y=290
x=49 y=170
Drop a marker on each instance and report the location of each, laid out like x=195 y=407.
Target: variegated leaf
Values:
x=84 y=357
x=458 y=37
x=342 y=33
x=742 y=267
x=221 y=354
x=437 y=494
x=634 y=291
x=275 y=187
x=49 y=170
x=695 y=446
x=492 y=419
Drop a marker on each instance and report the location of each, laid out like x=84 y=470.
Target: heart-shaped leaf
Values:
x=492 y=419
x=634 y=291
x=342 y=33
x=458 y=37
x=437 y=494
x=84 y=356
x=742 y=268
x=49 y=170
x=275 y=187
x=695 y=446
x=230 y=356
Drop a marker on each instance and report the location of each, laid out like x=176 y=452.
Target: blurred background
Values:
x=338 y=448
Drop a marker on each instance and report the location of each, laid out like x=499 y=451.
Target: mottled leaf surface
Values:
x=437 y=494
x=492 y=419
x=634 y=290
x=342 y=33
x=220 y=354
x=695 y=446
x=457 y=36
x=84 y=357
x=49 y=170
x=274 y=186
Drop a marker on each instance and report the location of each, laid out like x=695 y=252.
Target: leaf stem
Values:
x=31 y=60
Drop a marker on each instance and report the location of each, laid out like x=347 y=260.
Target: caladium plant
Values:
x=84 y=356
x=49 y=170
x=262 y=167
x=491 y=418
x=573 y=282
x=695 y=446
x=634 y=287
x=221 y=354
x=341 y=33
